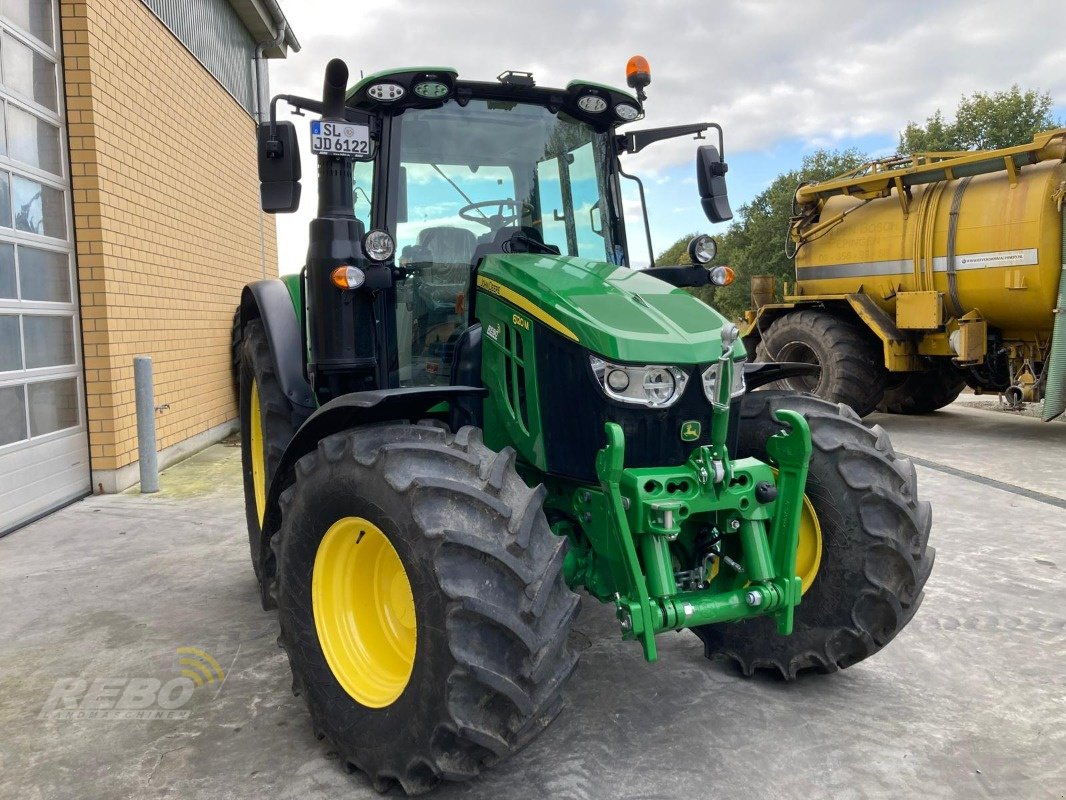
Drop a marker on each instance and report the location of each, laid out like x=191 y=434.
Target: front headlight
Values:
x=653 y=386
x=710 y=381
x=378 y=245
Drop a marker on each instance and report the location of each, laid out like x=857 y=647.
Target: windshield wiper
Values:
x=458 y=189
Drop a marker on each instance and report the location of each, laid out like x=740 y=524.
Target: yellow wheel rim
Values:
x=364 y=612
x=809 y=547
x=255 y=422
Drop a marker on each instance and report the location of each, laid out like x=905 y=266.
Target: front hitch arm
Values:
x=791 y=450
x=609 y=467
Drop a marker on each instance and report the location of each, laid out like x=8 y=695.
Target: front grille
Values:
x=574 y=410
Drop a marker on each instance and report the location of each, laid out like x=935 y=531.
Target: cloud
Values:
x=824 y=73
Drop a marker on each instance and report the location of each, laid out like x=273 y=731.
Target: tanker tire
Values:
x=923 y=392
x=853 y=371
x=875 y=553
x=493 y=613
x=279 y=422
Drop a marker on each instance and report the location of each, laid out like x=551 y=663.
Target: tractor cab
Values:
x=483 y=176
x=445 y=172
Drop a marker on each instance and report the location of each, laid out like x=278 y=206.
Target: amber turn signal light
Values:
x=346 y=277
x=722 y=276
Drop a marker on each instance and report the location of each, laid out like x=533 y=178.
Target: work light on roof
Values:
x=386 y=92
x=626 y=112
x=431 y=90
x=593 y=104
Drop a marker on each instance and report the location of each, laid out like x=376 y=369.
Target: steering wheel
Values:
x=499 y=219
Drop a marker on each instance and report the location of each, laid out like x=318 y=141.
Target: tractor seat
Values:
x=448 y=244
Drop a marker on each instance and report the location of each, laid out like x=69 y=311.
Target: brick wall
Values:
x=166 y=213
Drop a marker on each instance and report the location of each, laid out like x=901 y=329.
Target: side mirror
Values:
x=710 y=175
x=279 y=168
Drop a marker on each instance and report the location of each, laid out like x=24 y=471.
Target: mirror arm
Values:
x=273 y=144
x=721 y=139
x=635 y=141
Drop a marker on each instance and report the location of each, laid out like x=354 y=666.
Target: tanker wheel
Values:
x=268 y=423
x=923 y=392
x=851 y=360
x=421 y=602
x=873 y=533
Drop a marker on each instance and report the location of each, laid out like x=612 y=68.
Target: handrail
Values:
x=877 y=179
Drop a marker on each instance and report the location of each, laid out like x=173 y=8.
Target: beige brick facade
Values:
x=167 y=220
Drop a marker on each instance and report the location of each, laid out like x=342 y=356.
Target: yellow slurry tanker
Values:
x=918 y=275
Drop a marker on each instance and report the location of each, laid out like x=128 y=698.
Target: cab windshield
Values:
x=489 y=164
x=470 y=178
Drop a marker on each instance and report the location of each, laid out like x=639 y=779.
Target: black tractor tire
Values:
x=851 y=359
x=875 y=553
x=236 y=350
x=492 y=610
x=278 y=423
x=923 y=392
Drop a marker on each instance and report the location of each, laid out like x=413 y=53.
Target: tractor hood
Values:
x=616 y=312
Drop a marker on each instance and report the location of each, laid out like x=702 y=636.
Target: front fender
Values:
x=270 y=302
x=347 y=411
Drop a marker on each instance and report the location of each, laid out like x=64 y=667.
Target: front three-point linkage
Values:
x=648 y=510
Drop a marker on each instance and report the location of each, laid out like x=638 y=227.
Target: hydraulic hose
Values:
x=1055 y=394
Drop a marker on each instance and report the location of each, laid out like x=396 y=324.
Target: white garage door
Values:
x=44 y=459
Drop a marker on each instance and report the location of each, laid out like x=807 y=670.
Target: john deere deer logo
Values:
x=690 y=431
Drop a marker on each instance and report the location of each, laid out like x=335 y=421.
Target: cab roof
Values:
x=392 y=91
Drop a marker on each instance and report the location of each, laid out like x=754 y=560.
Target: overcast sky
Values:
x=782 y=78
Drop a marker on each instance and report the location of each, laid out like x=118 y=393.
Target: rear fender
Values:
x=900 y=353
x=758 y=321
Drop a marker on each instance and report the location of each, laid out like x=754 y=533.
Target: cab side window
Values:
x=362 y=191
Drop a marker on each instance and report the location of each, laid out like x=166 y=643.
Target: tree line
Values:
x=754 y=244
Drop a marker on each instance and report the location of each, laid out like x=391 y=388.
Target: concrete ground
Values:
x=968 y=702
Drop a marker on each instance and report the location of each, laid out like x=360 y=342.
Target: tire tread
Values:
x=497 y=696
x=895 y=554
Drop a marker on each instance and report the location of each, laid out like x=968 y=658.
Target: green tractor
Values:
x=467 y=407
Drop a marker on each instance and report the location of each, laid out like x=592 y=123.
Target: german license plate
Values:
x=340 y=139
